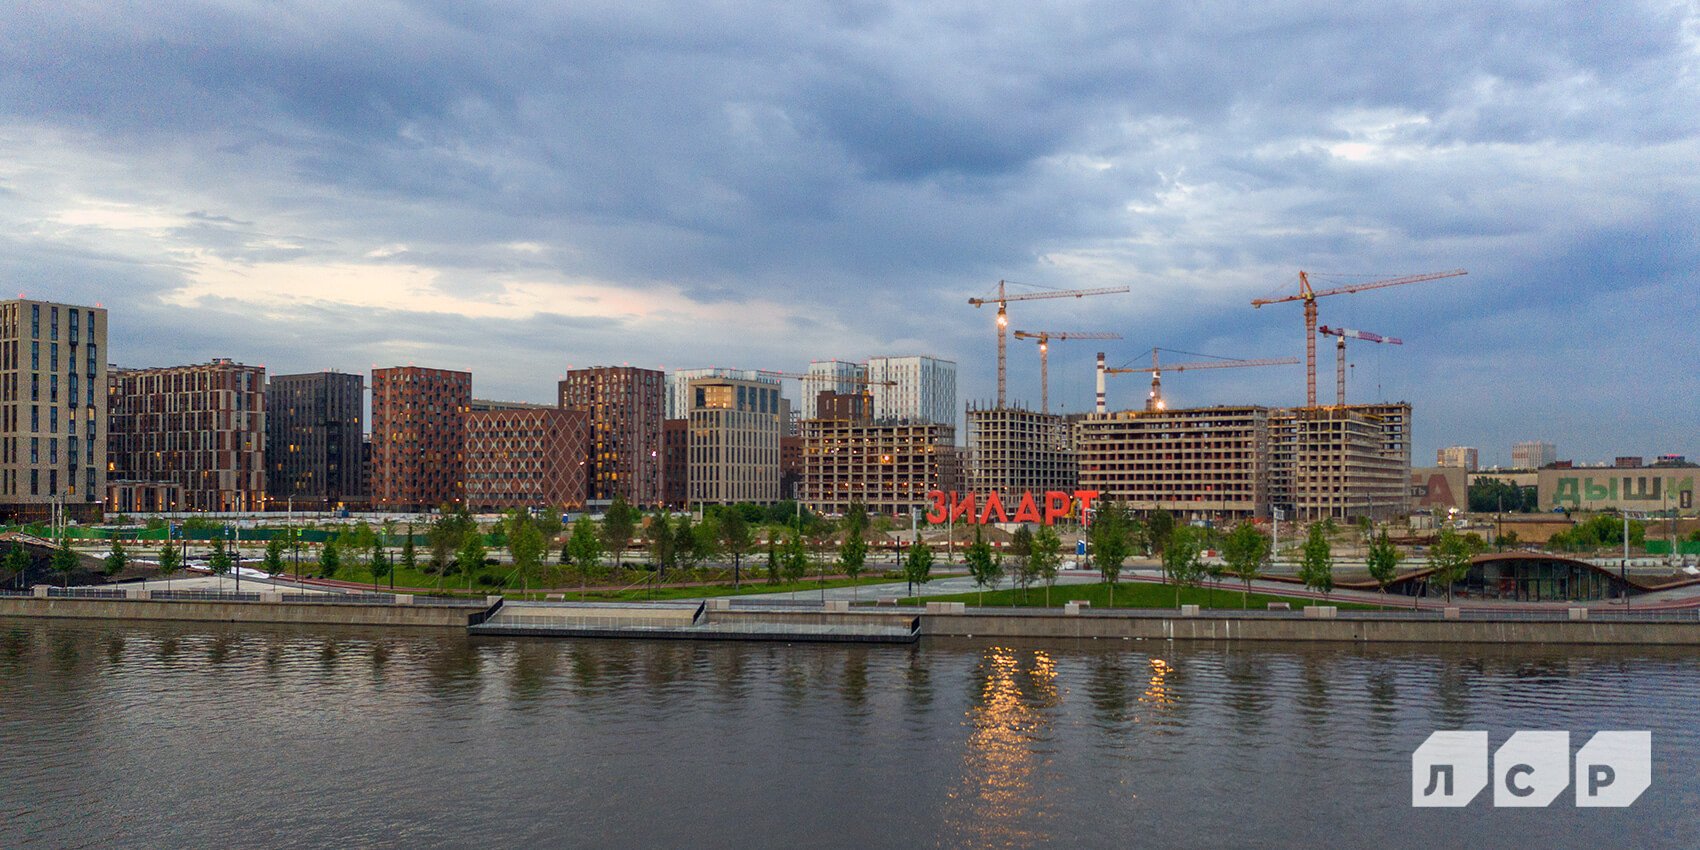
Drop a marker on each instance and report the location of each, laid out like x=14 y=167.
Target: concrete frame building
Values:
x=419 y=437
x=1341 y=462
x=1013 y=450
x=1533 y=454
x=1462 y=457
x=890 y=467
x=315 y=432
x=833 y=376
x=923 y=390
x=53 y=423
x=626 y=406
x=735 y=427
x=202 y=427
x=526 y=457
x=1196 y=463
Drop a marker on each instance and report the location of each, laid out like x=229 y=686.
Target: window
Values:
x=35 y=356
x=53 y=420
x=35 y=388
x=53 y=450
x=35 y=419
x=35 y=333
x=75 y=326
x=53 y=389
x=35 y=482
x=35 y=450
x=53 y=325
x=53 y=355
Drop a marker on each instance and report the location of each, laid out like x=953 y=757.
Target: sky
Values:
x=520 y=188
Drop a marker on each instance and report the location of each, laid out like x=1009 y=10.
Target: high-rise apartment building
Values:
x=53 y=425
x=679 y=384
x=833 y=376
x=315 y=430
x=1341 y=462
x=1462 y=457
x=920 y=389
x=1013 y=450
x=419 y=437
x=1197 y=463
x=735 y=428
x=526 y=456
x=202 y=427
x=626 y=406
x=1533 y=454
x=890 y=467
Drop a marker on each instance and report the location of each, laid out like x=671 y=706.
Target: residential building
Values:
x=315 y=430
x=1195 y=463
x=1012 y=450
x=834 y=376
x=676 y=462
x=920 y=389
x=679 y=385
x=1533 y=454
x=419 y=437
x=1461 y=457
x=1629 y=462
x=735 y=427
x=626 y=406
x=53 y=424
x=790 y=467
x=142 y=497
x=201 y=427
x=890 y=467
x=485 y=405
x=1341 y=462
x=532 y=456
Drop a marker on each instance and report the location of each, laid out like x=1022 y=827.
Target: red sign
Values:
x=990 y=508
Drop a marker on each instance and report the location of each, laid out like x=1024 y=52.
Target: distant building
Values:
x=53 y=422
x=676 y=462
x=419 y=437
x=314 y=436
x=790 y=467
x=735 y=426
x=1441 y=487
x=1013 y=450
x=201 y=427
x=890 y=467
x=626 y=406
x=923 y=389
x=1341 y=462
x=1648 y=490
x=1533 y=454
x=1195 y=463
x=485 y=405
x=526 y=457
x=1461 y=457
x=834 y=376
x=1629 y=462
x=679 y=383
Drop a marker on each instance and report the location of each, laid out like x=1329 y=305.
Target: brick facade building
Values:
x=526 y=458
x=419 y=437
x=202 y=427
x=626 y=405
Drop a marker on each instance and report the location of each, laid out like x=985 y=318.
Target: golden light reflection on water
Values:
x=1157 y=689
x=1009 y=720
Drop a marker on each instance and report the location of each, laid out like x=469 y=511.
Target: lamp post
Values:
x=236 y=554
x=1623 y=570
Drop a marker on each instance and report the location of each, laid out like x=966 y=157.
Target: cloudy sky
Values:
x=517 y=188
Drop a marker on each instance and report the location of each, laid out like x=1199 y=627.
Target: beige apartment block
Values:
x=1011 y=450
x=53 y=426
x=1198 y=463
x=733 y=441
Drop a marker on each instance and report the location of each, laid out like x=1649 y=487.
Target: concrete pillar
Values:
x=1189 y=610
x=720 y=604
x=1321 y=612
x=838 y=606
x=947 y=607
x=41 y=591
x=272 y=597
x=1578 y=613
x=1451 y=613
x=1071 y=609
x=138 y=593
x=404 y=599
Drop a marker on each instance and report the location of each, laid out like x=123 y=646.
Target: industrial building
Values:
x=734 y=432
x=53 y=426
x=625 y=404
x=201 y=427
x=1014 y=450
x=419 y=437
x=526 y=457
x=314 y=435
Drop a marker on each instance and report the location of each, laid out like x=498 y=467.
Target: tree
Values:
x=1111 y=543
x=117 y=559
x=618 y=526
x=1021 y=555
x=685 y=546
x=409 y=557
x=663 y=546
x=1159 y=526
x=330 y=560
x=379 y=562
x=1450 y=556
x=168 y=561
x=18 y=561
x=852 y=557
x=772 y=561
x=272 y=563
x=1181 y=559
x=1316 y=561
x=526 y=544
x=794 y=561
x=918 y=566
x=734 y=539
x=220 y=562
x=1046 y=558
x=1382 y=561
x=64 y=560
x=1245 y=550
x=470 y=557
x=984 y=565
x=584 y=549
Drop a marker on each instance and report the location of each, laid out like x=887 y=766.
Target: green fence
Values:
x=1662 y=547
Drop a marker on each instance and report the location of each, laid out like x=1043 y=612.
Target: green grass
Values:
x=1129 y=595
x=749 y=588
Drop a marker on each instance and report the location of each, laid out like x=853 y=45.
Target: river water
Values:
x=164 y=735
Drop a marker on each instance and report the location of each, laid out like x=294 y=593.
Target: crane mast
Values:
x=1340 y=335
x=1044 y=338
x=1155 y=400
x=1003 y=298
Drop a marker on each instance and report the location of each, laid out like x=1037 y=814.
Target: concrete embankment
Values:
x=446 y=616
x=1116 y=625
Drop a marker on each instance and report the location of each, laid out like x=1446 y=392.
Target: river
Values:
x=165 y=735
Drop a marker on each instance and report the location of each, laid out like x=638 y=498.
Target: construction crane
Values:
x=1002 y=300
x=1309 y=296
x=1155 y=400
x=1044 y=338
x=1340 y=335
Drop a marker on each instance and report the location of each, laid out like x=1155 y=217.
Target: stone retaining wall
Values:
x=317 y=613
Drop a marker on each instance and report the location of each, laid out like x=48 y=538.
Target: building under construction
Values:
x=889 y=466
x=1238 y=462
x=1014 y=450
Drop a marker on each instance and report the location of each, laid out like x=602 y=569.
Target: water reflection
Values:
x=1010 y=715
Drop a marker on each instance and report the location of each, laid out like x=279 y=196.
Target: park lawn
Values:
x=455 y=585
x=751 y=587
x=1137 y=594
